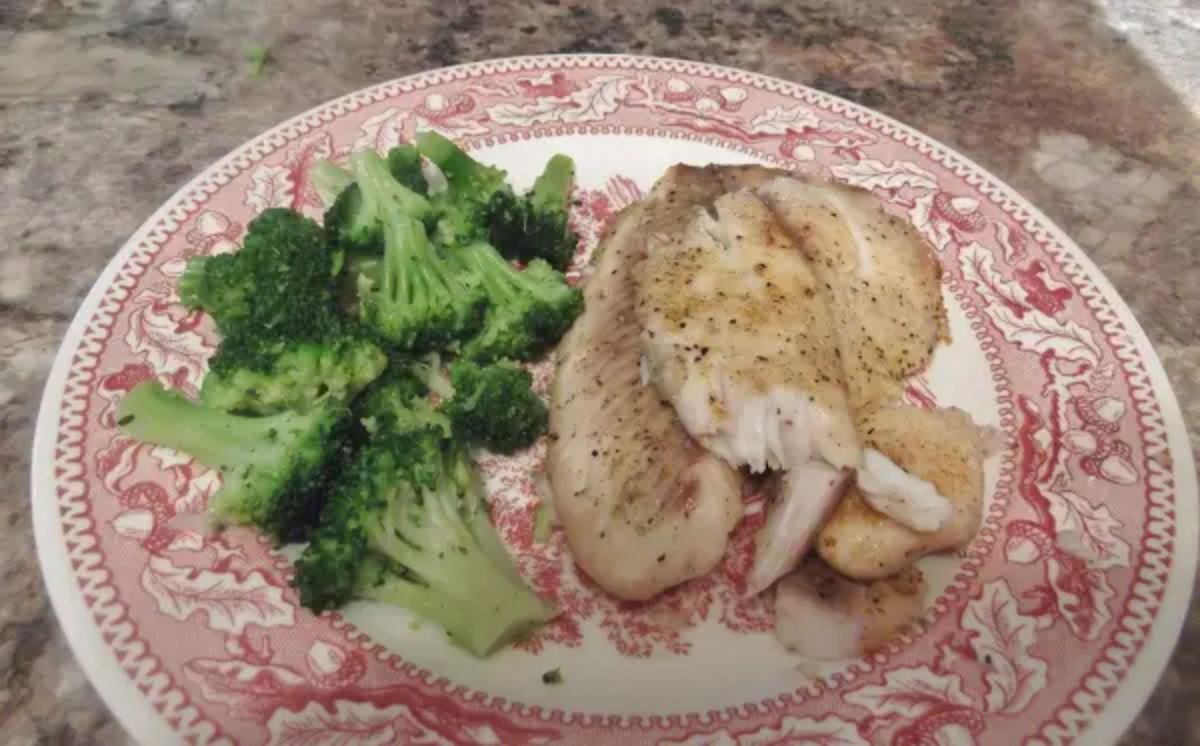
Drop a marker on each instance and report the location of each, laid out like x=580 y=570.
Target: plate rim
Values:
x=139 y=718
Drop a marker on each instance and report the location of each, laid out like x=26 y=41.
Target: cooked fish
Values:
x=884 y=281
x=882 y=278
x=823 y=615
x=644 y=506
x=738 y=335
x=940 y=446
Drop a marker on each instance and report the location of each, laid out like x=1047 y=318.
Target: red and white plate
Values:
x=1052 y=627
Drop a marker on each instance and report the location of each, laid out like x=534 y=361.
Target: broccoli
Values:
x=268 y=465
x=462 y=208
x=399 y=401
x=529 y=310
x=355 y=220
x=279 y=283
x=415 y=300
x=403 y=161
x=536 y=226
x=495 y=406
x=329 y=180
x=291 y=375
x=407 y=524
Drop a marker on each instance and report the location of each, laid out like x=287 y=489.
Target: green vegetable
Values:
x=356 y=219
x=463 y=207
x=495 y=406
x=293 y=375
x=279 y=284
x=257 y=57
x=404 y=162
x=407 y=524
x=536 y=225
x=267 y=464
x=528 y=310
x=417 y=301
x=330 y=180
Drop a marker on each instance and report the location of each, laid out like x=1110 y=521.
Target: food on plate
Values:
x=880 y=275
x=327 y=408
x=407 y=523
x=269 y=464
x=738 y=321
x=941 y=446
x=644 y=506
x=739 y=336
x=782 y=318
x=823 y=615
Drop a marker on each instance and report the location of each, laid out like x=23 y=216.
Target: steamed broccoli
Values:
x=268 y=464
x=462 y=208
x=529 y=310
x=407 y=524
x=279 y=282
x=297 y=375
x=495 y=406
x=417 y=301
x=400 y=402
x=329 y=180
x=403 y=161
x=355 y=220
x=536 y=226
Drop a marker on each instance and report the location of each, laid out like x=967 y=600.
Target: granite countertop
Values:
x=108 y=106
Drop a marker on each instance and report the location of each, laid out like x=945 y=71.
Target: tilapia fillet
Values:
x=644 y=506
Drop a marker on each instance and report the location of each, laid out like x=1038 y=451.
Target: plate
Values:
x=1052 y=626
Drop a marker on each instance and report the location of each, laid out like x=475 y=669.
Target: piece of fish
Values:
x=881 y=276
x=826 y=616
x=738 y=335
x=644 y=506
x=940 y=446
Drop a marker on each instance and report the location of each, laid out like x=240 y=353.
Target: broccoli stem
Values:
x=329 y=180
x=381 y=191
x=459 y=573
x=152 y=414
x=552 y=190
x=455 y=164
x=480 y=617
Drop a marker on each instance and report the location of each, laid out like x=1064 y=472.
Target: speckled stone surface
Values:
x=107 y=106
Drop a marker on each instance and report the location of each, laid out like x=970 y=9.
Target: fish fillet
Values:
x=739 y=336
x=941 y=446
x=644 y=506
x=881 y=276
x=822 y=615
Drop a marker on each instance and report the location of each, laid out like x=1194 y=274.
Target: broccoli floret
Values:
x=495 y=406
x=279 y=283
x=462 y=208
x=417 y=301
x=399 y=401
x=528 y=310
x=404 y=162
x=355 y=220
x=291 y=375
x=329 y=180
x=536 y=226
x=268 y=465
x=407 y=524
